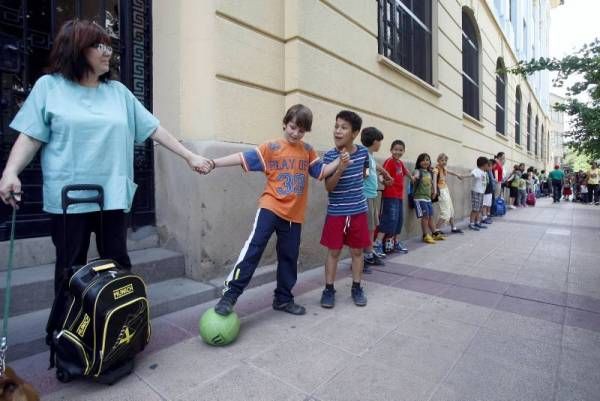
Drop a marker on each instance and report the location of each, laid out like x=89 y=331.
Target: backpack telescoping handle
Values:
x=67 y=201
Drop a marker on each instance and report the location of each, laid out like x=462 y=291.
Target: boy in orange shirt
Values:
x=287 y=162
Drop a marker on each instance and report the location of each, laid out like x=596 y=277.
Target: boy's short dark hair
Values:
x=482 y=161
x=351 y=117
x=370 y=135
x=397 y=142
x=300 y=115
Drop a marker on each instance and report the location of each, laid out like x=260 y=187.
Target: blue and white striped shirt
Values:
x=347 y=198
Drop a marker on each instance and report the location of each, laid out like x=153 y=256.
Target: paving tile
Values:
x=428 y=360
x=512 y=324
x=535 y=309
x=243 y=383
x=399 y=269
x=396 y=296
x=455 y=310
x=580 y=367
x=582 y=340
x=503 y=277
x=381 y=277
x=377 y=382
x=423 y=286
x=318 y=363
x=472 y=296
x=131 y=388
x=173 y=370
x=515 y=351
x=583 y=319
x=583 y=302
x=438 y=330
x=356 y=332
x=533 y=293
x=570 y=391
x=479 y=377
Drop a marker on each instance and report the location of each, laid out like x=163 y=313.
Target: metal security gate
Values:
x=27 y=28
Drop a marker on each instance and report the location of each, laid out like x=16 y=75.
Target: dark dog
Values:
x=13 y=388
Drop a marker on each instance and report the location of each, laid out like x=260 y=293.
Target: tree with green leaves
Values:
x=584 y=66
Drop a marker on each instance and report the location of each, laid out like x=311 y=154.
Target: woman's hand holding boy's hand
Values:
x=200 y=164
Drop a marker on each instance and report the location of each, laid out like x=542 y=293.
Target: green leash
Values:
x=4 y=338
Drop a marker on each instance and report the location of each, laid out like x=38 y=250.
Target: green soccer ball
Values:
x=219 y=330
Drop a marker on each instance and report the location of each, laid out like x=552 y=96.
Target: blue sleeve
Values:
x=329 y=156
x=316 y=169
x=32 y=118
x=141 y=121
x=252 y=160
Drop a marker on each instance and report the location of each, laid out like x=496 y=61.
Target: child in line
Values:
x=522 y=186
x=346 y=222
x=371 y=138
x=424 y=188
x=441 y=173
x=513 y=184
x=488 y=196
x=287 y=162
x=392 y=213
x=480 y=179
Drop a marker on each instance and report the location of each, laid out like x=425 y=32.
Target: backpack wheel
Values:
x=63 y=375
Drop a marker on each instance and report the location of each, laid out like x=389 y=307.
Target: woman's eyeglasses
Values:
x=105 y=49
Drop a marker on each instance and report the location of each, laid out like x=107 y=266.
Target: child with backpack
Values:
x=423 y=190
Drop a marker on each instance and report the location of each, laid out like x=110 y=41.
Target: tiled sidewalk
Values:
x=511 y=313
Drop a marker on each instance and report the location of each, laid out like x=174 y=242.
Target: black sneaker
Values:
x=358 y=296
x=225 y=306
x=373 y=261
x=290 y=307
x=473 y=227
x=457 y=231
x=328 y=298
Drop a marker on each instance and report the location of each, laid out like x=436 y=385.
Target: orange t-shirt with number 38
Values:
x=287 y=167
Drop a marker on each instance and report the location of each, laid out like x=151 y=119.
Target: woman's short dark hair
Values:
x=67 y=56
x=351 y=117
x=300 y=115
x=397 y=142
x=370 y=135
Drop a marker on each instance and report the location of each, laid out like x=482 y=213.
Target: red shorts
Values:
x=346 y=230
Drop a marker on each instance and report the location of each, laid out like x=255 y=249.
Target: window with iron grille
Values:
x=535 y=143
x=543 y=146
x=470 y=53
x=518 y=116
x=529 y=127
x=500 y=98
x=405 y=35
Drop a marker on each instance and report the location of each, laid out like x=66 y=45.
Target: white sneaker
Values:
x=511 y=207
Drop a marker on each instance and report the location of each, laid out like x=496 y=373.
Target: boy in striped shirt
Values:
x=346 y=221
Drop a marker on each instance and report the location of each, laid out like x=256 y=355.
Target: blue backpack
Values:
x=499 y=206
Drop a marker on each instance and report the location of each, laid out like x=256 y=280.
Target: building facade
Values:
x=221 y=73
x=557 y=131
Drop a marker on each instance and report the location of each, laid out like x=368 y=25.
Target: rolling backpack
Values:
x=499 y=207
x=105 y=320
x=530 y=199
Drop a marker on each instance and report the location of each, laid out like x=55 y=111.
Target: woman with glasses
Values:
x=85 y=125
